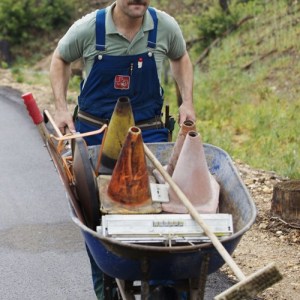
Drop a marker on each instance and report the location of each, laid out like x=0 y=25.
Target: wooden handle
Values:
x=195 y=215
x=56 y=129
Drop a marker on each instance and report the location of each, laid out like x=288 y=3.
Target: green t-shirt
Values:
x=80 y=40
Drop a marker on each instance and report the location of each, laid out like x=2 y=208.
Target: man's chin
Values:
x=137 y=10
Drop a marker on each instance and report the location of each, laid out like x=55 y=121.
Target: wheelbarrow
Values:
x=139 y=268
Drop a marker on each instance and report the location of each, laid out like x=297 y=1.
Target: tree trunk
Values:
x=5 y=54
x=224 y=5
x=286 y=201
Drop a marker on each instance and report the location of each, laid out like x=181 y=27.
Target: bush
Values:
x=214 y=22
x=24 y=19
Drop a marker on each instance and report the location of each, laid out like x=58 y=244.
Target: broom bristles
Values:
x=252 y=285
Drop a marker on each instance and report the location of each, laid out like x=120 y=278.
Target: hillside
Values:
x=246 y=90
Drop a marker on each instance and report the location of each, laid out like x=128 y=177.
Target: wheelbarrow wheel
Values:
x=85 y=183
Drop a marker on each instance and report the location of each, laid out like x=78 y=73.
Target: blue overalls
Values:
x=111 y=77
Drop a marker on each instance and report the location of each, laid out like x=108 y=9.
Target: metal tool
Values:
x=84 y=204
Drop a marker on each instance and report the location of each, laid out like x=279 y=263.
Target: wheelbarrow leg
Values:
x=145 y=288
x=108 y=283
x=197 y=286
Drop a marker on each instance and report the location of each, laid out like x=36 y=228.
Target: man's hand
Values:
x=186 y=112
x=64 y=121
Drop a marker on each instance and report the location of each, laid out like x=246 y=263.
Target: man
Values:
x=128 y=23
x=123 y=48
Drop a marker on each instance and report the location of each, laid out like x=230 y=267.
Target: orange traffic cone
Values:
x=192 y=175
x=128 y=190
x=121 y=120
x=130 y=182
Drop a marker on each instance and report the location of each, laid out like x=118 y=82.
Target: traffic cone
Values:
x=192 y=176
x=129 y=184
x=186 y=126
x=121 y=120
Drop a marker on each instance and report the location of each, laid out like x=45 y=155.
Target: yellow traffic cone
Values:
x=121 y=120
x=192 y=175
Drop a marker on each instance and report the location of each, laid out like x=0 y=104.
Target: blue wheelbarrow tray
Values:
x=152 y=262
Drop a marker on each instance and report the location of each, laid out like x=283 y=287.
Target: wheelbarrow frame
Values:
x=191 y=263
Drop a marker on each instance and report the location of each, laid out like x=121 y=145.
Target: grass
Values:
x=252 y=113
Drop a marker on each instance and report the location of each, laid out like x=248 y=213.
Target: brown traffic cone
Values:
x=192 y=175
x=130 y=182
x=121 y=120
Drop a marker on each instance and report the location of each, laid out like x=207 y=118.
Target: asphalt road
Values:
x=42 y=253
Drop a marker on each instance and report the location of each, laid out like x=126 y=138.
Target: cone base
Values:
x=210 y=207
x=109 y=206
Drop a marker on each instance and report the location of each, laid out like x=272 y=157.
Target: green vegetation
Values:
x=247 y=89
x=247 y=85
x=23 y=20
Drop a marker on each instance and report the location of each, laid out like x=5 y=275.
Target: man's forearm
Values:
x=59 y=77
x=182 y=70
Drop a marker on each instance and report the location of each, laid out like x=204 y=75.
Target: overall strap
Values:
x=100 y=29
x=153 y=32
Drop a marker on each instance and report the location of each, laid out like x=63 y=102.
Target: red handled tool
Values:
x=54 y=146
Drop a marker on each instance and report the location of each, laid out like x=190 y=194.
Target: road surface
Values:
x=42 y=254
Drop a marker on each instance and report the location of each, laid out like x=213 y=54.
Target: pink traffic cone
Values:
x=192 y=176
x=187 y=126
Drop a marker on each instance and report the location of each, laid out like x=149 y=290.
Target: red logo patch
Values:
x=122 y=82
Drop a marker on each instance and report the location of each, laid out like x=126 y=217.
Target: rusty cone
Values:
x=129 y=183
x=192 y=176
x=121 y=120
